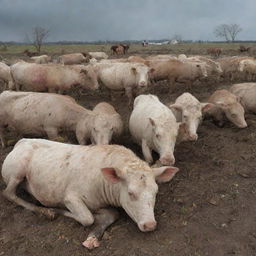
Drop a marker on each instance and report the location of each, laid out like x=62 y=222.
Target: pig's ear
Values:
x=134 y=70
x=239 y=99
x=177 y=111
x=84 y=71
x=221 y=104
x=206 y=107
x=164 y=173
x=153 y=123
x=111 y=174
x=176 y=107
x=152 y=70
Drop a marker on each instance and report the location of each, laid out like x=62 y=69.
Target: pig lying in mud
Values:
x=83 y=181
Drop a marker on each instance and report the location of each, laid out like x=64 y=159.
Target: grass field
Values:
x=187 y=48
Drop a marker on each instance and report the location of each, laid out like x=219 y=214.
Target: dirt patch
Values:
x=207 y=209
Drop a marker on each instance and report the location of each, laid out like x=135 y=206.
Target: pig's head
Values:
x=191 y=116
x=201 y=70
x=101 y=130
x=234 y=112
x=89 y=78
x=141 y=73
x=164 y=138
x=242 y=65
x=217 y=68
x=138 y=190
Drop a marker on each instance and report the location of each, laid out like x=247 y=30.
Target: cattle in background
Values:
x=30 y=54
x=126 y=47
x=119 y=49
x=243 y=48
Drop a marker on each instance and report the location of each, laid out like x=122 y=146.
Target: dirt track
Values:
x=207 y=209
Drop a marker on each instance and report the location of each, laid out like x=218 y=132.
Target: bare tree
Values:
x=229 y=32
x=38 y=36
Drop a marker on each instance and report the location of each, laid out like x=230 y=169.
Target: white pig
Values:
x=83 y=181
x=154 y=127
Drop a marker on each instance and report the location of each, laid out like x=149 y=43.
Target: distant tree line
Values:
x=227 y=31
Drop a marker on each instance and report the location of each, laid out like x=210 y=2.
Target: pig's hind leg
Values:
x=10 y=194
x=103 y=219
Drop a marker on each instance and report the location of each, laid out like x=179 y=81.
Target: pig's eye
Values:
x=233 y=115
x=158 y=135
x=132 y=195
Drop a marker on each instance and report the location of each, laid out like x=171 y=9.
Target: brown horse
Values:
x=214 y=51
x=119 y=49
x=30 y=54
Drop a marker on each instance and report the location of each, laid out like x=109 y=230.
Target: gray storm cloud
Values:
x=89 y=20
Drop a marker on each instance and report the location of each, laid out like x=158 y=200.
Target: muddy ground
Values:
x=207 y=209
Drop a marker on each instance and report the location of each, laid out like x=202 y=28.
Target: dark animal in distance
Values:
x=119 y=49
x=244 y=49
x=30 y=54
x=214 y=51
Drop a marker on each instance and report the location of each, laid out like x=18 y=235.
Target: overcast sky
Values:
x=89 y=20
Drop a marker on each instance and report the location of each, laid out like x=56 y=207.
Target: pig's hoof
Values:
x=91 y=243
x=49 y=213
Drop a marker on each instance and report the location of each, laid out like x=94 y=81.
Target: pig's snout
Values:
x=143 y=84
x=148 y=226
x=243 y=125
x=193 y=137
x=167 y=160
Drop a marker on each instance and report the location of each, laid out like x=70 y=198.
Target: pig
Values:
x=39 y=114
x=226 y=104
x=154 y=127
x=128 y=76
x=114 y=124
x=188 y=110
x=42 y=59
x=246 y=92
x=53 y=77
x=98 y=55
x=138 y=59
x=5 y=75
x=175 y=70
x=72 y=58
x=84 y=183
x=248 y=66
